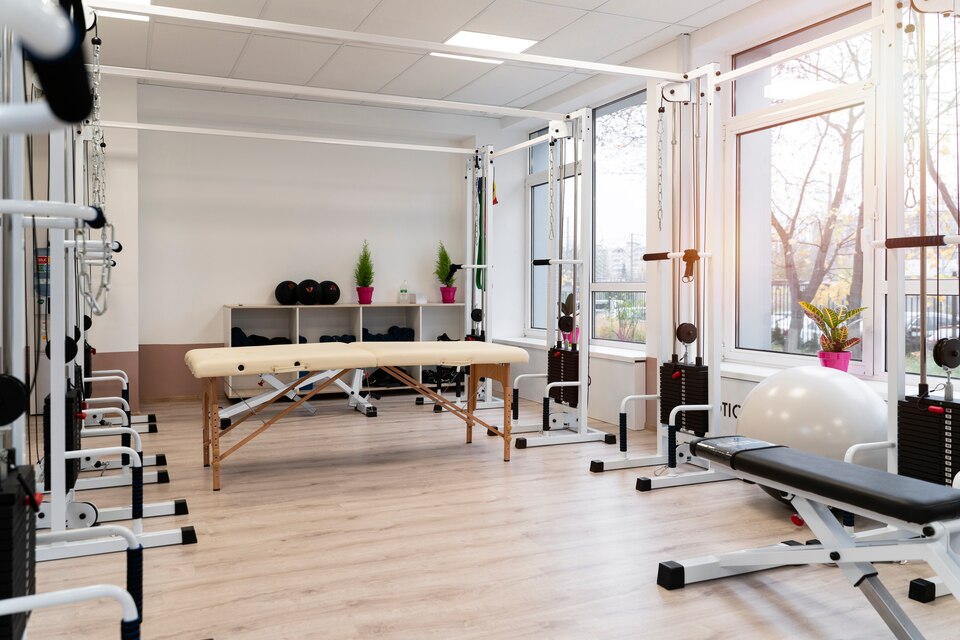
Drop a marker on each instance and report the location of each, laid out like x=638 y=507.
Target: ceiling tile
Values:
x=667 y=33
x=194 y=50
x=587 y=5
x=659 y=11
x=523 y=19
x=246 y=8
x=717 y=12
x=432 y=20
x=332 y=15
x=595 y=36
x=433 y=77
x=124 y=42
x=285 y=60
x=535 y=96
x=362 y=68
x=505 y=84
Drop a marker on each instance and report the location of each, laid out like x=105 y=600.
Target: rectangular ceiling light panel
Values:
x=490 y=42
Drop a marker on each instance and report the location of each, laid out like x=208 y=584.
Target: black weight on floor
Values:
x=286 y=292
x=329 y=292
x=308 y=292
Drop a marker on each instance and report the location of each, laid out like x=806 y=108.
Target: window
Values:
x=797 y=143
x=542 y=227
x=619 y=232
x=620 y=218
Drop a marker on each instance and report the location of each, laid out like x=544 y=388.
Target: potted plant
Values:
x=445 y=274
x=363 y=275
x=835 y=337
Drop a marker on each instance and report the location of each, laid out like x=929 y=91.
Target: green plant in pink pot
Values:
x=835 y=340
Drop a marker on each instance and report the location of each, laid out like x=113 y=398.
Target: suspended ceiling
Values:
x=608 y=31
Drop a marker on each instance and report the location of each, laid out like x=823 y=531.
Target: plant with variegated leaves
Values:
x=832 y=322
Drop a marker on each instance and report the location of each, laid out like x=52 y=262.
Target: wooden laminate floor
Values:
x=340 y=526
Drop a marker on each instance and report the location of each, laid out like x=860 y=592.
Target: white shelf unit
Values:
x=428 y=321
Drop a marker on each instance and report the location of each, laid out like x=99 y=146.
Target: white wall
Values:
x=223 y=220
x=118 y=329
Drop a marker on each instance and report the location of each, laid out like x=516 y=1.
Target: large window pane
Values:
x=620 y=159
x=620 y=315
x=540 y=244
x=800 y=212
x=838 y=64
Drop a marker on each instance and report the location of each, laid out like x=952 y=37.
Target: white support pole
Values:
x=711 y=332
x=585 y=192
x=890 y=112
x=257 y=135
x=54 y=467
x=14 y=291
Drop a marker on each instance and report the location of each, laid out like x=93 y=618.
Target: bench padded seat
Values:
x=888 y=494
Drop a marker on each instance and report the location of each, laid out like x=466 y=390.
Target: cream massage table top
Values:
x=240 y=361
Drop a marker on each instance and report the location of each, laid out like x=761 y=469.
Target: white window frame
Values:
x=862 y=93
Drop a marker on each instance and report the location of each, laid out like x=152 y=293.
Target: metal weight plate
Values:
x=946 y=353
x=686 y=332
x=13 y=398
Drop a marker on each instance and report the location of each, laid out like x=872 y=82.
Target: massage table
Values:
x=922 y=522
x=486 y=360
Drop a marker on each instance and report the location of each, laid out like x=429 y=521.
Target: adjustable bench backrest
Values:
x=884 y=493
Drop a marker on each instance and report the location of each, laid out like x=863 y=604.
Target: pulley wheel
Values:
x=13 y=398
x=87 y=323
x=477 y=315
x=81 y=515
x=686 y=332
x=565 y=324
x=69 y=349
x=946 y=353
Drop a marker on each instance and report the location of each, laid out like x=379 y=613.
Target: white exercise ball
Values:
x=817 y=410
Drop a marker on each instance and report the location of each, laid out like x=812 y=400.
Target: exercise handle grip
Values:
x=917 y=241
x=655 y=257
x=541 y=262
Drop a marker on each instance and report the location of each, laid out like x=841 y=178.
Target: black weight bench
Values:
x=923 y=522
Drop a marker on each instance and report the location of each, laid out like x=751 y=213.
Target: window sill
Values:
x=603 y=353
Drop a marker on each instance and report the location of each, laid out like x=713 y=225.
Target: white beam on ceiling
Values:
x=274 y=88
x=339 y=35
x=260 y=135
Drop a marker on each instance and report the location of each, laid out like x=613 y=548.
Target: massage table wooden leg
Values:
x=472 y=388
x=501 y=374
x=215 y=433
x=205 y=411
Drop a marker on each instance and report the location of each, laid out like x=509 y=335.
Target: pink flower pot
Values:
x=364 y=295
x=835 y=359
x=448 y=294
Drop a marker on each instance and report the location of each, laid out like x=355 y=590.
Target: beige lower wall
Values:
x=127 y=361
x=163 y=374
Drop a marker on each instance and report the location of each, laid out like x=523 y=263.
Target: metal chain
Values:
x=97 y=300
x=660 y=127
x=910 y=194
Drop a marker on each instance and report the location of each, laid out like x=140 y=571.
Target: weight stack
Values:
x=689 y=387
x=925 y=439
x=17 y=550
x=71 y=432
x=564 y=366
